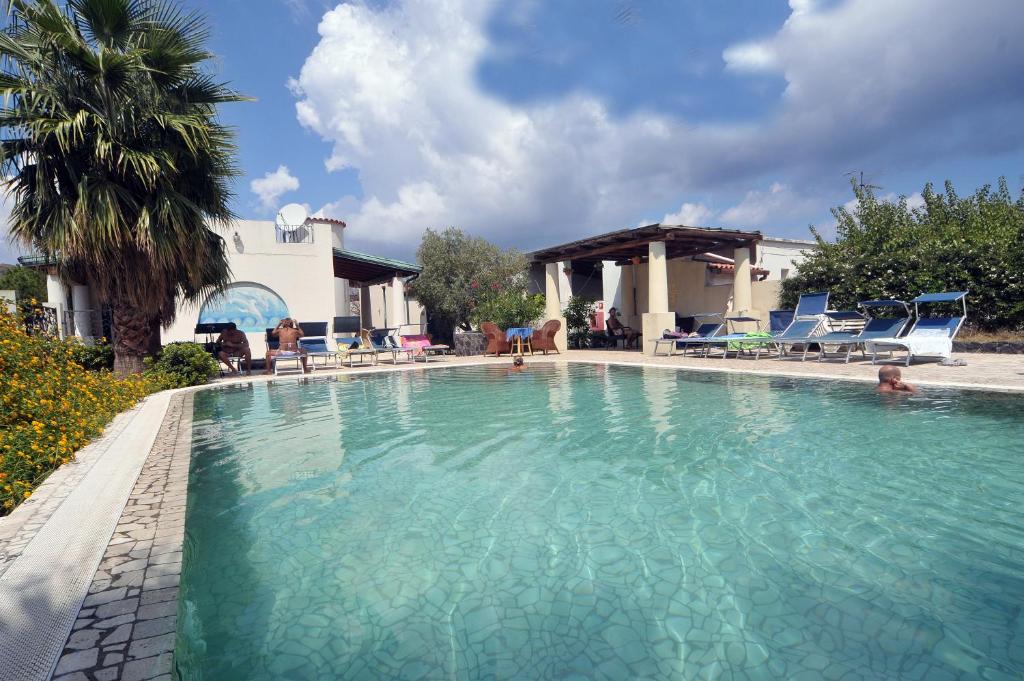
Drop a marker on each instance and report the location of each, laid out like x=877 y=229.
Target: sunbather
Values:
x=233 y=343
x=288 y=332
x=890 y=380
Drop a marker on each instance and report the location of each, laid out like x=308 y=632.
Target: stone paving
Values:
x=126 y=627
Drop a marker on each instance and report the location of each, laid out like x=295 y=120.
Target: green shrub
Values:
x=181 y=365
x=885 y=249
x=577 y=321
x=99 y=355
x=50 y=406
x=511 y=308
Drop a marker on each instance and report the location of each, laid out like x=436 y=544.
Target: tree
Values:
x=116 y=158
x=26 y=282
x=885 y=249
x=457 y=271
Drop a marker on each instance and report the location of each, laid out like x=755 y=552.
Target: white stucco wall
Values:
x=301 y=274
x=775 y=255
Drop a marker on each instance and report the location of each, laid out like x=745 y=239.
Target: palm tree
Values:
x=115 y=157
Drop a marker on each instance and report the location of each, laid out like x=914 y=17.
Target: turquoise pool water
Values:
x=599 y=522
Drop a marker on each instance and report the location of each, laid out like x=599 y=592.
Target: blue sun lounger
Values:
x=929 y=336
x=705 y=331
x=874 y=327
x=810 y=308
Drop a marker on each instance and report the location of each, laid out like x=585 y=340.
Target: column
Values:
x=627 y=296
x=741 y=294
x=657 y=319
x=81 y=302
x=564 y=283
x=395 y=304
x=552 y=303
x=56 y=292
x=741 y=290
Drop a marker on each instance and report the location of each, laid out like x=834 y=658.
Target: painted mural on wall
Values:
x=253 y=308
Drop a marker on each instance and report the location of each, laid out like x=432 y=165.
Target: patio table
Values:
x=517 y=336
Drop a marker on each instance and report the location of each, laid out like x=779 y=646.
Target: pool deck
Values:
x=89 y=566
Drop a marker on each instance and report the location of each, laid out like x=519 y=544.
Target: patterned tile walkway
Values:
x=126 y=627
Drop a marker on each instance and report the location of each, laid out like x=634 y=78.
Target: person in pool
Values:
x=517 y=364
x=288 y=332
x=890 y=380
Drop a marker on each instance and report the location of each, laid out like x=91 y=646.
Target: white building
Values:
x=782 y=257
x=306 y=274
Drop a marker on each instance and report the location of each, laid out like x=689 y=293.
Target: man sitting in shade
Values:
x=287 y=332
x=232 y=343
x=615 y=328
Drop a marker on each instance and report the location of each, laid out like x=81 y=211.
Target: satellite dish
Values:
x=291 y=217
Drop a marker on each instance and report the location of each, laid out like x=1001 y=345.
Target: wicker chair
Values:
x=544 y=337
x=496 y=341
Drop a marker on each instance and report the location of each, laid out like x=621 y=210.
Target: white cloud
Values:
x=689 y=214
x=780 y=204
x=273 y=186
x=750 y=57
x=394 y=89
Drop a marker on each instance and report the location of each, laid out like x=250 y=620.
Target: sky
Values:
x=534 y=122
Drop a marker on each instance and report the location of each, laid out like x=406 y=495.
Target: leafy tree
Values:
x=116 y=157
x=885 y=249
x=26 y=282
x=458 y=271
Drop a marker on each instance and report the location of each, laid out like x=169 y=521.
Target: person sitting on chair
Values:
x=288 y=332
x=232 y=343
x=617 y=330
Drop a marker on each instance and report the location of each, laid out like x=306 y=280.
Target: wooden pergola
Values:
x=624 y=245
x=652 y=246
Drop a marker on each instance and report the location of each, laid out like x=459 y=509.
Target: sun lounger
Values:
x=316 y=346
x=810 y=308
x=874 y=328
x=706 y=330
x=386 y=346
x=422 y=347
x=796 y=333
x=930 y=337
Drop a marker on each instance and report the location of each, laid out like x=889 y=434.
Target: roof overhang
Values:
x=370 y=269
x=36 y=261
x=626 y=245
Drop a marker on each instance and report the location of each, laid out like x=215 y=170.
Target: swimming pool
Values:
x=593 y=522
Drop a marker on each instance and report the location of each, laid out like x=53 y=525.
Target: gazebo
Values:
x=653 y=246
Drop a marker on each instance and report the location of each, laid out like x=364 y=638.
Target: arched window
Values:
x=252 y=307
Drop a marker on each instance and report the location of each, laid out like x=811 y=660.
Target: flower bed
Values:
x=50 y=407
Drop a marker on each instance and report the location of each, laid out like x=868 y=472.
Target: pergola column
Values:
x=395 y=304
x=552 y=303
x=627 y=309
x=742 y=295
x=657 y=318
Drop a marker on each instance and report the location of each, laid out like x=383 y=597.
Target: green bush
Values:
x=509 y=308
x=180 y=365
x=50 y=406
x=99 y=355
x=577 y=320
x=885 y=249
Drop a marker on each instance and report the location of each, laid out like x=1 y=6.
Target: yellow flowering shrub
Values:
x=50 y=407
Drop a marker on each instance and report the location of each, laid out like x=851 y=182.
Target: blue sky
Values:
x=538 y=121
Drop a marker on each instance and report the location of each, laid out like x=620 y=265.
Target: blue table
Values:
x=517 y=335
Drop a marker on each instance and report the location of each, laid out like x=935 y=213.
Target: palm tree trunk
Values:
x=131 y=339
